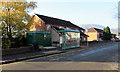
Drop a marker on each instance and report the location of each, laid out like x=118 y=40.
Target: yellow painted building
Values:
x=94 y=34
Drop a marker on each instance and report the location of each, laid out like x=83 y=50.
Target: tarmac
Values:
x=24 y=56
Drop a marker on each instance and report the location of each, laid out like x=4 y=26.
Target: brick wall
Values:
x=37 y=24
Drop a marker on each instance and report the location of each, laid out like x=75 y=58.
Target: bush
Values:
x=12 y=43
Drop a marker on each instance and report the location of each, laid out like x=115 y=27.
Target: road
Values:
x=104 y=57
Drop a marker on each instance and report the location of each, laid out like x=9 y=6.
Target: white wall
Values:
x=55 y=36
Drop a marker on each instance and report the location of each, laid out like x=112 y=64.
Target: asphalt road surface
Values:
x=104 y=57
x=101 y=54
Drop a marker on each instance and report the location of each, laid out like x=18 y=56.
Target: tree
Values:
x=106 y=34
x=15 y=18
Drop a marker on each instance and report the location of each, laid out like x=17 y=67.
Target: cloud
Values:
x=114 y=30
x=87 y=26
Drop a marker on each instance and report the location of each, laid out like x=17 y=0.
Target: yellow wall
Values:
x=92 y=36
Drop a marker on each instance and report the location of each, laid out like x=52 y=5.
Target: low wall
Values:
x=16 y=50
x=92 y=42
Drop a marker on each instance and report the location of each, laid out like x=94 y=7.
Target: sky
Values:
x=79 y=12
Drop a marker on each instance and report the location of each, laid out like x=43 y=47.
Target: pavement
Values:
x=25 y=56
x=60 y=66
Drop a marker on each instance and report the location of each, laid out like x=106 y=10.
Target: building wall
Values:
x=37 y=24
x=92 y=36
x=55 y=36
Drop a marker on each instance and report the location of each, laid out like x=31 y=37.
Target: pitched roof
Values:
x=59 y=22
x=99 y=30
x=94 y=29
x=83 y=34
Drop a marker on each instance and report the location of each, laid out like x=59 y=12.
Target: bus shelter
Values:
x=42 y=38
x=69 y=38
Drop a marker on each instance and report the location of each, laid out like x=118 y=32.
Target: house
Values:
x=94 y=34
x=54 y=31
x=115 y=37
x=83 y=37
x=118 y=35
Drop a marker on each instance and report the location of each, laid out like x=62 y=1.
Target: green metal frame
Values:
x=67 y=31
x=45 y=32
x=70 y=47
x=64 y=43
x=39 y=38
